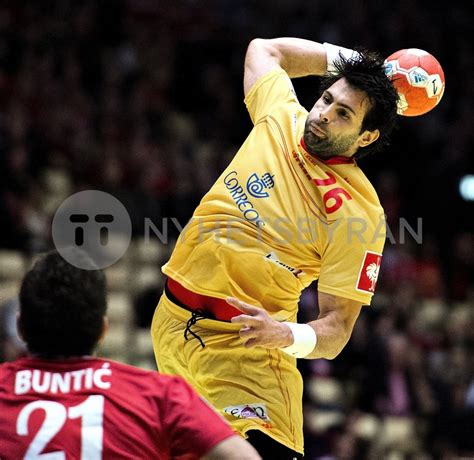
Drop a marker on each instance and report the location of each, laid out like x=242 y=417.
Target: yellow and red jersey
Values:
x=279 y=218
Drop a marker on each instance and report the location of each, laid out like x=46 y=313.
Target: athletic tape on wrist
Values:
x=333 y=54
x=304 y=340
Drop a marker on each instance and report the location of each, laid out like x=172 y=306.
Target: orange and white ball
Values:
x=418 y=78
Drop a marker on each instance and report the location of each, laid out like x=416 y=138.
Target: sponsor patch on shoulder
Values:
x=255 y=410
x=369 y=272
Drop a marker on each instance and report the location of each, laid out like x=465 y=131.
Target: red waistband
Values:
x=219 y=308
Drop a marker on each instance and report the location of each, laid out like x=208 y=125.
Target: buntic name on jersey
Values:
x=38 y=381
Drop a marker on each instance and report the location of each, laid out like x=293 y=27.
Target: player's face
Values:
x=333 y=127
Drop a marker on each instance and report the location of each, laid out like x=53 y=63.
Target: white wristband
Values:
x=333 y=54
x=304 y=340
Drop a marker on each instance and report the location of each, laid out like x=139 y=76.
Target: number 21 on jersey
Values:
x=90 y=411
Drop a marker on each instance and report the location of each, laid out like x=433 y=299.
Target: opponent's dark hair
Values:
x=62 y=306
x=366 y=73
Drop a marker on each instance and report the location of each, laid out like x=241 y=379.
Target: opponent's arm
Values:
x=298 y=57
x=333 y=328
x=233 y=448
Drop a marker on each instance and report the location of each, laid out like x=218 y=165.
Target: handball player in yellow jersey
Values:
x=292 y=207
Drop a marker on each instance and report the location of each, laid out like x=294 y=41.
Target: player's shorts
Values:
x=252 y=388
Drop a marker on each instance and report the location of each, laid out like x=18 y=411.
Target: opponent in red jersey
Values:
x=65 y=403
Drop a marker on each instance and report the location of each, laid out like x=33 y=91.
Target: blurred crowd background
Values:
x=143 y=99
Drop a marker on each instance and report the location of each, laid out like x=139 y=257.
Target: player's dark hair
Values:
x=366 y=73
x=62 y=306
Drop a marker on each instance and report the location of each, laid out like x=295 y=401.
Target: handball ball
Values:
x=418 y=78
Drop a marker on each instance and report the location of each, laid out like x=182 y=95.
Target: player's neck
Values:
x=55 y=357
x=333 y=160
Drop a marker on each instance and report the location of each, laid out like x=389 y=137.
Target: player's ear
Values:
x=105 y=328
x=368 y=137
x=19 y=327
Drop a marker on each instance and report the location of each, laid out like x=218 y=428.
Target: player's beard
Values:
x=329 y=146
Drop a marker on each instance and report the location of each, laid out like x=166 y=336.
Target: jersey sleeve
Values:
x=193 y=426
x=269 y=92
x=351 y=260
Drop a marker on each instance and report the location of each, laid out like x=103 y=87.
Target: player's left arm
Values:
x=336 y=320
x=333 y=327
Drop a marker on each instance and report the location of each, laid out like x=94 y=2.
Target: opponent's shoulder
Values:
x=13 y=366
x=127 y=369
x=6 y=369
x=142 y=377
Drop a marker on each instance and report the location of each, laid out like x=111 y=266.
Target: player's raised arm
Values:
x=298 y=57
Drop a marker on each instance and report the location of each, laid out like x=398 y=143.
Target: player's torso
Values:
x=261 y=230
x=86 y=412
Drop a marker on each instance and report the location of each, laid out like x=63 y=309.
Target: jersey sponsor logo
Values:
x=242 y=200
x=257 y=186
x=369 y=272
x=274 y=258
x=256 y=410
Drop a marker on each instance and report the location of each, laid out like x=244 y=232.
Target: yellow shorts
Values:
x=252 y=388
